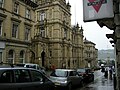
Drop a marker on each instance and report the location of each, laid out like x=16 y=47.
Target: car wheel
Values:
x=69 y=86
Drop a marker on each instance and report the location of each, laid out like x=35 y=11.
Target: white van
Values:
x=31 y=65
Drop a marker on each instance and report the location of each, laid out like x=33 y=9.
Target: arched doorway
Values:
x=43 y=58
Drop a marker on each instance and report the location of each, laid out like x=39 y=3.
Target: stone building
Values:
x=56 y=42
x=40 y=31
x=17 y=19
x=90 y=54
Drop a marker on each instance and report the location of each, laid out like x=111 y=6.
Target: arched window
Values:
x=11 y=56
x=22 y=56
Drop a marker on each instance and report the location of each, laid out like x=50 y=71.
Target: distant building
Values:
x=90 y=54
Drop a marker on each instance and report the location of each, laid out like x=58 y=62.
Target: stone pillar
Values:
x=117 y=35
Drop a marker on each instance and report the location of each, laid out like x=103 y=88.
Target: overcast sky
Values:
x=92 y=30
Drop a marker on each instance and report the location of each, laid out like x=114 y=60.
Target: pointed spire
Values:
x=68 y=3
x=81 y=27
x=77 y=25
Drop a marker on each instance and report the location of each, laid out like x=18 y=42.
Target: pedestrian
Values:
x=110 y=72
x=106 y=72
x=102 y=69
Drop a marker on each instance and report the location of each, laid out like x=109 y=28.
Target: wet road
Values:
x=100 y=83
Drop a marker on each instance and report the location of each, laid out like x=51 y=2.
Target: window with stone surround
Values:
x=27 y=33
x=1 y=56
x=15 y=30
x=42 y=16
x=42 y=31
x=0 y=28
x=65 y=33
x=1 y=3
x=16 y=8
x=22 y=56
x=11 y=56
x=27 y=13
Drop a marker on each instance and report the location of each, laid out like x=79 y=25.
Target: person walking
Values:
x=106 y=72
x=110 y=72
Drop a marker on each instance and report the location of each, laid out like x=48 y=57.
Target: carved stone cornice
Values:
x=109 y=23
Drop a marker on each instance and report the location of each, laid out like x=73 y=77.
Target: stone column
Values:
x=117 y=35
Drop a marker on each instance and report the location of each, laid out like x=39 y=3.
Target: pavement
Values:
x=100 y=83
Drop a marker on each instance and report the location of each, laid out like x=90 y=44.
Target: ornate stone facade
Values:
x=40 y=33
x=62 y=44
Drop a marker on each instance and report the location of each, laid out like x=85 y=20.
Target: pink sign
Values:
x=97 y=9
x=97 y=6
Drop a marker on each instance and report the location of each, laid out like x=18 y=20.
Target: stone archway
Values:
x=43 y=58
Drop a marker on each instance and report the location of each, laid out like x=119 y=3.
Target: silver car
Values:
x=66 y=78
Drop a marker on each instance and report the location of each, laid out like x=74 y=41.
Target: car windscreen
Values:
x=81 y=70
x=31 y=66
x=59 y=73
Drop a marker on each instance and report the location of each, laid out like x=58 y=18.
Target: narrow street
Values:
x=100 y=83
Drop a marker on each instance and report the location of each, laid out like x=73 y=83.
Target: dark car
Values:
x=66 y=78
x=87 y=74
x=20 y=78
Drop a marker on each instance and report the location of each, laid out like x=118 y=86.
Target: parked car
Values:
x=20 y=78
x=66 y=78
x=87 y=74
x=31 y=65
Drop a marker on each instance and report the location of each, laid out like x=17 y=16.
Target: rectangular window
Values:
x=65 y=33
x=15 y=30
x=42 y=16
x=42 y=32
x=16 y=7
x=33 y=1
x=0 y=28
x=22 y=57
x=28 y=13
x=1 y=57
x=27 y=33
x=1 y=3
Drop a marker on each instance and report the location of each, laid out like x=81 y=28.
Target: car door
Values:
x=41 y=81
x=74 y=78
x=23 y=79
x=7 y=80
